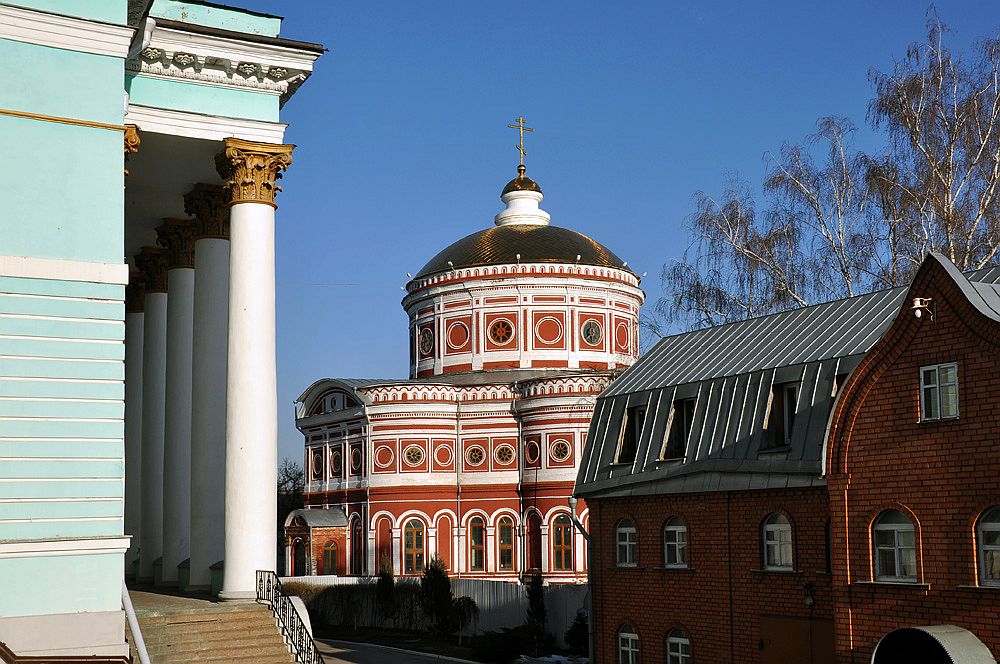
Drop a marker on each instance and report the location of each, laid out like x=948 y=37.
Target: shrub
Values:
x=577 y=636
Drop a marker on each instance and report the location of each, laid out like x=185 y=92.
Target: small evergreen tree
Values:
x=577 y=636
x=536 y=619
x=435 y=594
x=385 y=591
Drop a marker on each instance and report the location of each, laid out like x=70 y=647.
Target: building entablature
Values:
x=490 y=279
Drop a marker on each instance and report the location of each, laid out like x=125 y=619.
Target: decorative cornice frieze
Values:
x=251 y=169
x=209 y=206
x=132 y=141
x=153 y=263
x=135 y=292
x=177 y=236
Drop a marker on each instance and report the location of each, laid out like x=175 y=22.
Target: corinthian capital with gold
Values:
x=209 y=205
x=152 y=261
x=177 y=236
x=252 y=169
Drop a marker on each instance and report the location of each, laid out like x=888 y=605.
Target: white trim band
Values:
x=65 y=547
x=207 y=127
x=58 y=269
x=67 y=32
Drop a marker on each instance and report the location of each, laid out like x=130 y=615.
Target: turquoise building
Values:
x=111 y=463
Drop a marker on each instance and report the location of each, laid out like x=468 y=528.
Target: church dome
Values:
x=521 y=183
x=536 y=243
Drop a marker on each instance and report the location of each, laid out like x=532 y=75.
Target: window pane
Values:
x=886 y=562
x=930 y=405
x=930 y=377
x=991 y=565
x=885 y=538
x=904 y=538
x=908 y=562
x=786 y=554
x=949 y=401
x=991 y=537
x=948 y=374
x=506 y=534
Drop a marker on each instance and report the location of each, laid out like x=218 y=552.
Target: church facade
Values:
x=513 y=332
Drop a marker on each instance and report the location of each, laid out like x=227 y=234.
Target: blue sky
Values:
x=403 y=145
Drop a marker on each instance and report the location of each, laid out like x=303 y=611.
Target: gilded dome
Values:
x=536 y=243
x=521 y=183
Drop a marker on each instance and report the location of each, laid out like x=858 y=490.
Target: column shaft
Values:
x=154 y=377
x=177 y=436
x=208 y=423
x=252 y=403
x=133 y=435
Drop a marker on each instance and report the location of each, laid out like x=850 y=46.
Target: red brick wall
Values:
x=724 y=592
x=944 y=473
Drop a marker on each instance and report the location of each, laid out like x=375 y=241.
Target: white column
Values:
x=251 y=386
x=154 y=374
x=208 y=407
x=177 y=436
x=133 y=417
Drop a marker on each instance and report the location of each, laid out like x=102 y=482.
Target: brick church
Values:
x=819 y=485
x=513 y=332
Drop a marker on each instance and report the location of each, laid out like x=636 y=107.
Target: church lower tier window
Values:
x=562 y=544
x=505 y=531
x=939 y=392
x=895 y=550
x=413 y=547
x=628 y=645
x=477 y=545
x=989 y=547
x=330 y=558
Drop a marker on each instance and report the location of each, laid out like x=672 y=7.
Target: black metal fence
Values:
x=289 y=622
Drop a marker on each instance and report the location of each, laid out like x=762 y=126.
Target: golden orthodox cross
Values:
x=521 y=128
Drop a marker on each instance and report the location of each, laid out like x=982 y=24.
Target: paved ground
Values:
x=343 y=652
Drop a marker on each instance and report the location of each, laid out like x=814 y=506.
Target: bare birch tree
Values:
x=834 y=222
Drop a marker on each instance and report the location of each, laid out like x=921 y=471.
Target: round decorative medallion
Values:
x=384 y=457
x=621 y=336
x=504 y=454
x=592 y=332
x=426 y=341
x=501 y=332
x=317 y=464
x=413 y=455
x=458 y=335
x=443 y=455
x=356 y=459
x=549 y=330
x=560 y=450
x=336 y=462
x=531 y=452
x=475 y=456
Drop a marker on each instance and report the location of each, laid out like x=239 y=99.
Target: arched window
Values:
x=477 y=545
x=894 y=547
x=777 y=542
x=627 y=540
x=628 y=645
x=675 y=543
x=330 y=558
x=562 y=544
x=413 y=547
x=505 y=537
x=357 y=548
x=989 y=547
x=678 y=647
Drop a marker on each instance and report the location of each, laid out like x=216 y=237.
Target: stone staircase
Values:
x=179 y=630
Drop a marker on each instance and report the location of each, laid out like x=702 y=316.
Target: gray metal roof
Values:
x=319 y=518
x=730 y=371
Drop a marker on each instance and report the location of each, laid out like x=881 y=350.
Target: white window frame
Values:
x=988 y=522
x=777 y=537
x=628 y=645
x=936 y=387
x=678 y=647
x=678 y=530
x=897 y=548
x=627 y=542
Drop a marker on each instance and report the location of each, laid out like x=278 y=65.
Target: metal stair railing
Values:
x=298 y=638
x=133 y=623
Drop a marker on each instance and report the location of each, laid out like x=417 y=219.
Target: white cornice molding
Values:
x=67 y=32
x=207 y=127
x=223 y=61
x=64 y=547
x=56 y=269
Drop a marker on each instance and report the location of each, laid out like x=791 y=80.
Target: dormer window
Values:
x=679 y=430
x=938 y=392
x=635 y=417
x=781 y=416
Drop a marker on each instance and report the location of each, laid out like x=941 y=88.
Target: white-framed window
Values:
x=781 y=416
x=777 y=542
x=627 y=540
x=988 y=535
x=894 y=547
x=678 y=647
x=675 y=543
x=628 y=645
x=938 y=392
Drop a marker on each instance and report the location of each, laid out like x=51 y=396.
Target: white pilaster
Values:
x=208 y=422
x=133 y=434
x=251 y=402
x=177 y=436
x=154 y=381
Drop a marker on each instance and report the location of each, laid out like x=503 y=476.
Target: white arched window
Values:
x=988 y=534
x=628 y=645
x=675 y=543
x=627 y=540
x=678 y=647
x=777 y=542
x=894 y=547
